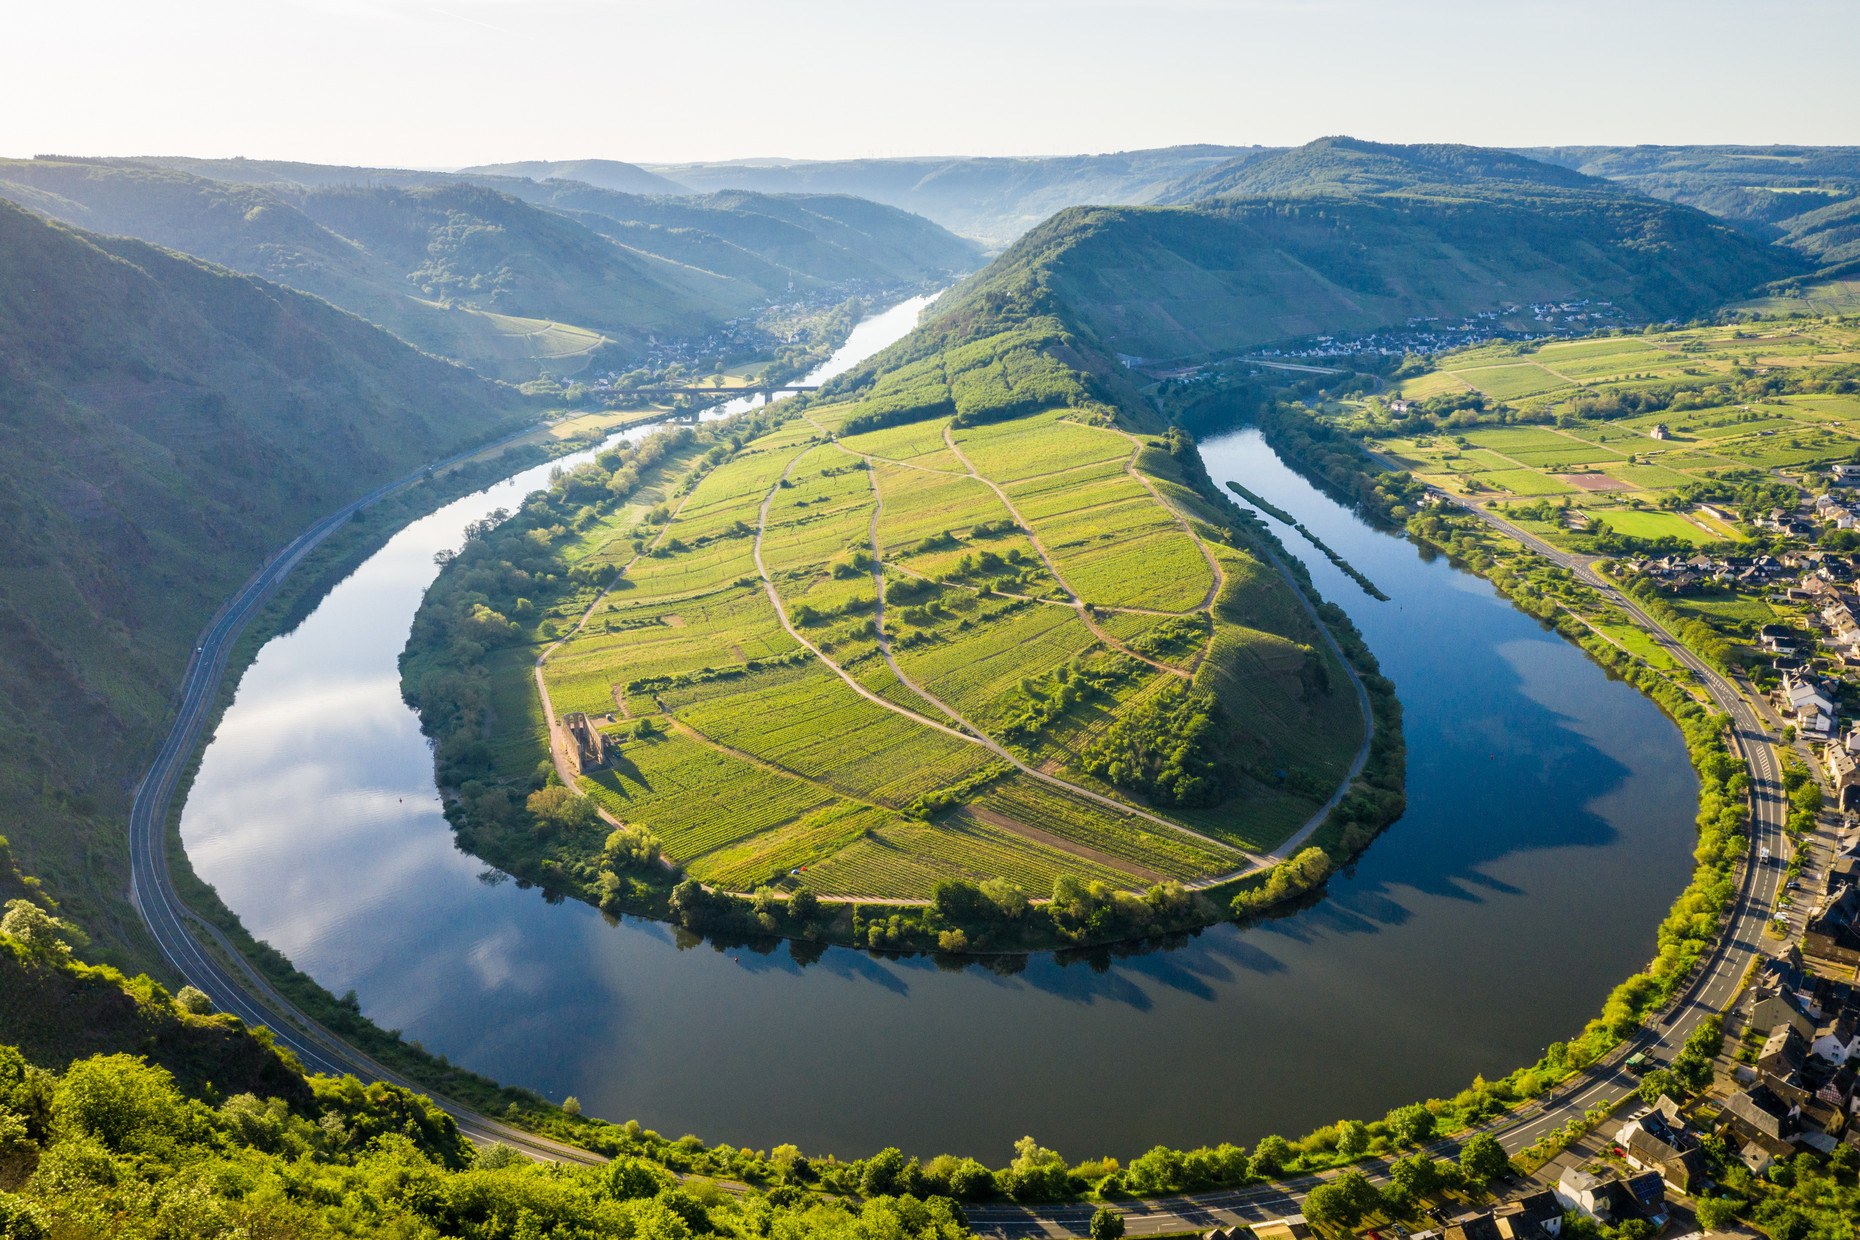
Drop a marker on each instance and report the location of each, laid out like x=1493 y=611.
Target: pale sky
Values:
x=409 y=83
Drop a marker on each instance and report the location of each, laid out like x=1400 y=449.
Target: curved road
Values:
x=241 y=991
x=245 y=994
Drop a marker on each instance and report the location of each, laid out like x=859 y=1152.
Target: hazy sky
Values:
x=471 y=81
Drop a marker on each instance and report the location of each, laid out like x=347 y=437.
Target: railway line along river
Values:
x=1548 y=829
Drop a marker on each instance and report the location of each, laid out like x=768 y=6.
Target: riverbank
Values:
x=463 y=655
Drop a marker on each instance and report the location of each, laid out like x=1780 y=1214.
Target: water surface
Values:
x=1548 y=829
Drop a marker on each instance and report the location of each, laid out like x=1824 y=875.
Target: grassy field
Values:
x=1580 y=437
x=772 y=726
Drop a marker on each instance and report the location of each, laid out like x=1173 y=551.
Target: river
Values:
x=1548 y=829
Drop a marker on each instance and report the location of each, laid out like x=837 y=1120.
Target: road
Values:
x=244 y=993
x=241 y=991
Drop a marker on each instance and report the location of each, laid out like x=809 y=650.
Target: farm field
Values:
x=732 y=632
x=1591 y=443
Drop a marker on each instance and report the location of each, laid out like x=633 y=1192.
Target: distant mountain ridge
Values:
x=1804 y=197
x=1346 y=165
x=600 y=173
x=991 y=198
x=1346 y=236
x=430 y=255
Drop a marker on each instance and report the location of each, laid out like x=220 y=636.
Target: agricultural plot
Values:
x=1509 y=440
x=1638 y=524
x=808 y=721
x=696 y=798
x=974 y=670
x=646 y=643
x=771 y=856
x=909 y=859
x=1163 y=570
x=921 y=505
x=1524 y=482
x=1573 y=452
x=1028 y=805
x=1647 y=477
x=919 y=443
x=1042 y=444
x=1510 y=382
x=1434 y=383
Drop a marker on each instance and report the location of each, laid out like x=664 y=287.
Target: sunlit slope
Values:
x=1070 y=671
x=167 y=425
x=1236 y=274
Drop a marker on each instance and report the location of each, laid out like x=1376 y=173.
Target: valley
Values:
x=1339 y=630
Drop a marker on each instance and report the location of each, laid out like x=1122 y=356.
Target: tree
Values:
x=122 y=1101
x=1412 y=1124
x=43 y=936
x=957 y=900
x=803 y=904
x=627 y=846
x=193 y=999
x=1482 y=1158
x=1718 y=1213
x=1415 y=1177
x=1107 y=1224
x=1352 y=1138
x=688 y=902
x=882 y=1172
x=1341 y=1203
x=1659 y=1081
x=1008 y=901
x=561 y=808
x=628 y=1178
x=1270 y=1157
x=571 y=1106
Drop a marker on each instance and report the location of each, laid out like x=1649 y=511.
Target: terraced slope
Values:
x=871 y=661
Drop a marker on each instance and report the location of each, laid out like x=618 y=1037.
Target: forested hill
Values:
x=1806 y=200
x=473 y=269
x=164 y=425
x=1341 y=165
x=1803 y=197
x=1236 y=274
x=883 y=243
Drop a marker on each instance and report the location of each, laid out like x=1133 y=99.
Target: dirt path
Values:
x=1078 y=604
x=974 y=735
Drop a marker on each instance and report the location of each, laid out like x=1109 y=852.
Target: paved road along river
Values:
x=1549 y=828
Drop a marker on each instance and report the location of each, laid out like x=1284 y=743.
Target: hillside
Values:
x=962 y=621
x=993 y=200
x=446 y=264
x=1341 y=165
x=912 y=249
x=1760 y=187
x=166 y=425
x=1355 y=251
x=601 y=173
x=830 y=238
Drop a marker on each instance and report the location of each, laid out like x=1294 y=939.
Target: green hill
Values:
x=1341 y=165
x=417 y=252
x=891 y=246
x=167 y=425
x=1236 y=274
x=1760 y=187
